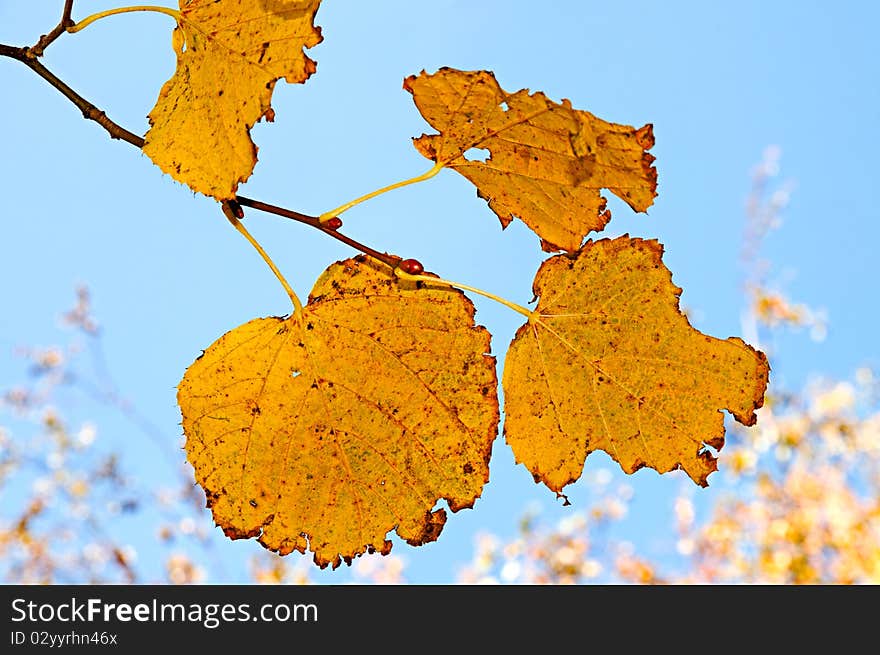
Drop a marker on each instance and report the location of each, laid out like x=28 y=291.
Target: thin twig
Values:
x=313 y=221
x=89 y=111
x=65 y=22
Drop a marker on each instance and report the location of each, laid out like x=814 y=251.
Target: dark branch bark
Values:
x=88 y=110
x=65 y=22
x=391 y=260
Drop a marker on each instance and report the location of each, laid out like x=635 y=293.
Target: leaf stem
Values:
x=89 y=111
x=427 y=175
x=392 y=261
x=230 y=215
x=88 y=20
x=525 y=311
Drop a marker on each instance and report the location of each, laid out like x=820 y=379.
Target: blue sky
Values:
x=719 y=81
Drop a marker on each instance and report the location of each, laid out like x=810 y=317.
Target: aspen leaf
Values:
x=608 y=362
x=230 y=53
x=329 y=430
x=548 y=161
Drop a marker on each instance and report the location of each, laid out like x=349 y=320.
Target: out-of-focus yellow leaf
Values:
x=230 y=53
x=329 y=430
x=608 y=362
x=548 y=162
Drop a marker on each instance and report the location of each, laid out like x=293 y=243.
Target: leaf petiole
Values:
x=230 y=215
x=85 y=22
x=525 y=311
x=427 y=175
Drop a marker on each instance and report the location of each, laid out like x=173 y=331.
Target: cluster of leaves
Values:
x=799 y=503
x=353 y=416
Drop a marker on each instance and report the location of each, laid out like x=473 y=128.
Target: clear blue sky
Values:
x=719 y=81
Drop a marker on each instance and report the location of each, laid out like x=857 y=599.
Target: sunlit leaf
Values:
x=329 y=430
x=230 y=53
x=548 y=162
x=608 y=362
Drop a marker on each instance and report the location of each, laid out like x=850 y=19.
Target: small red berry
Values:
x=411 y=266
x=333 y=223
x=236 y=208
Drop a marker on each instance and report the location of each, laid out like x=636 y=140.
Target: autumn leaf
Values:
x=327 y=431
x=608 y=362
x=230 y=53
x=548 y=162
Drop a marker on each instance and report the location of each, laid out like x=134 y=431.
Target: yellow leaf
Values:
x=548 y=161
x=327 y=431
x=608 y=362
x=230 y=53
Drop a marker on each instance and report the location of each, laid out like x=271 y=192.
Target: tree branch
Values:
x=313 y=221
x=91 y=112
x=65 y=22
